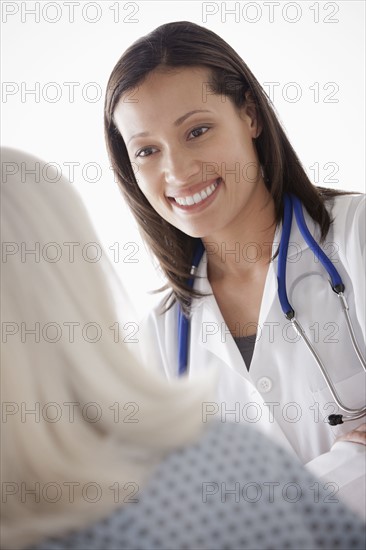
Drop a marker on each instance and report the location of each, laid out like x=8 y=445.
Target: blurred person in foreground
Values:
x=99 y=452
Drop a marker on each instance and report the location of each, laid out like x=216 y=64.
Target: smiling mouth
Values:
x=199 y=197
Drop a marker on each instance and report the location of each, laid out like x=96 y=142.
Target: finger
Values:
x=361 y=428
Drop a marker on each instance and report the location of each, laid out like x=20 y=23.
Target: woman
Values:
x=98 y=452
x=202 y=158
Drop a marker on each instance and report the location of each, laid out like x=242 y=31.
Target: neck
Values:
x=243 y=249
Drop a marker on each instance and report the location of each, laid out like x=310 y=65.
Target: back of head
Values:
x=77 y=407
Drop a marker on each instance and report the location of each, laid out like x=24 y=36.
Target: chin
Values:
x=196 y=232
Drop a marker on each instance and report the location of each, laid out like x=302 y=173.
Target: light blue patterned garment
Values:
x=232 y=490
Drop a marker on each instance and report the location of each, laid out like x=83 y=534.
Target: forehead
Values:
x=176 y=77
x=165 y=80
x=164 y=93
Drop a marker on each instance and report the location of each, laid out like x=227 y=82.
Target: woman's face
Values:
x=192 y=151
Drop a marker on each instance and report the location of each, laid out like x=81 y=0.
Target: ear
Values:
x=249 y=113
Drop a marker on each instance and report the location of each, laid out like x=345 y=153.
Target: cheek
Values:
x=244 y=146
x=152 y=192
x=146 y=183
x=237 y=147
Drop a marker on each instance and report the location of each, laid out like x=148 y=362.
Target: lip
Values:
x=200 y=205
x=189 y=191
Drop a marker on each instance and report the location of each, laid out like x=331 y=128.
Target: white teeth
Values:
x=197 y=197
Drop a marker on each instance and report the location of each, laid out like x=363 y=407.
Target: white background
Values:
x=312 y=44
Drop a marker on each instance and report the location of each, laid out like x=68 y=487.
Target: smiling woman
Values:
x=208 y=172
x=183 y=112
x=178 y=160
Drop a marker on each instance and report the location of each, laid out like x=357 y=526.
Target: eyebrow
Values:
x=176 y=123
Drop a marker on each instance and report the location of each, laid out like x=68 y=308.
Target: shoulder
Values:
x=221 y=490
x=231 y=489
x=350 y=208
x=348 y=213
x=159 y=318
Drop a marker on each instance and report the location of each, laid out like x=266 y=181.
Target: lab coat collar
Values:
x=297 y=243
x=209 y=324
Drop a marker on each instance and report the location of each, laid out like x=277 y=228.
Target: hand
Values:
x=358 y=435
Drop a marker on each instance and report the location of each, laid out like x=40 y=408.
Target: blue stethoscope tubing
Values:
x=291 y=204
x=183 y=321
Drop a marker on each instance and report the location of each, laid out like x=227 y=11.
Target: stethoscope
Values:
x=291 y=203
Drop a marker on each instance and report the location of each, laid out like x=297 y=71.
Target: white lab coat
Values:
x=284 y=393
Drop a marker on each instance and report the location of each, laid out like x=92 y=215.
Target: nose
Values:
x=180 y=167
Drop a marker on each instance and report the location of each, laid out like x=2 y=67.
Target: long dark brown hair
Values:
x=183 y=44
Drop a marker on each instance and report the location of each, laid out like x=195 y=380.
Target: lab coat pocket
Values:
x=351 y=392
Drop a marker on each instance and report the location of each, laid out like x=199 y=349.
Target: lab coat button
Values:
x=264 y=384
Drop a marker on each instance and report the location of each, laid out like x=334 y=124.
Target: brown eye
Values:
x=196 y=132
x=146 y=152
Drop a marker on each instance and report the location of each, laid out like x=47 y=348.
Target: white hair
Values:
x=101 y=420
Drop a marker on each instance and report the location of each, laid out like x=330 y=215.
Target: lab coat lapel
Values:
x=208 y=323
